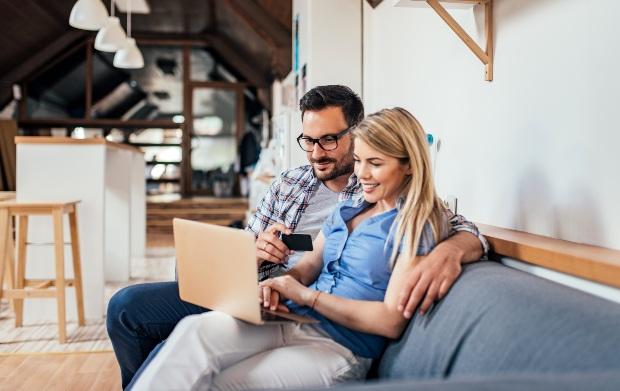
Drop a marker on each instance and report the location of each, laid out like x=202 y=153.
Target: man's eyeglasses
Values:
x=327 y=143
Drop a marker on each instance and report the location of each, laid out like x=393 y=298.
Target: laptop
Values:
x=216 y=269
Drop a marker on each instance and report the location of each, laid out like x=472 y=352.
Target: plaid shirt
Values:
x=289 y=196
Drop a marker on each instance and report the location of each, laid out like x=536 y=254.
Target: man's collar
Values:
x=352 y=182
x=358 y=199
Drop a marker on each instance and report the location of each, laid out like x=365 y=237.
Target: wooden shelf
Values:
x=418 y=3
x=155 y=145
x=486 y=55
x=163 y=180
x=96 y=123
x=213 y=136
x=472 y=2
x=158 y=162
x=581 y=260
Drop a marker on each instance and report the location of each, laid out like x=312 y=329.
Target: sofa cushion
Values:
x=498 y=320
x=605 y=381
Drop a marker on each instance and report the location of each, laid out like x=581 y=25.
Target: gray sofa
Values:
x=500 y=328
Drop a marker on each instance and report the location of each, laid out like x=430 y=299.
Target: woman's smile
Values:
x=382 y=176
x=369 y=187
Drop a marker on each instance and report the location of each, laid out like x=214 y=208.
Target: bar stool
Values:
x=47 y=288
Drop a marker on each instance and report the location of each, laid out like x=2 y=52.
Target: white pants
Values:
x=215 y=351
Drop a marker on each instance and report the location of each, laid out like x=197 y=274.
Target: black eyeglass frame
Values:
x=315 y=141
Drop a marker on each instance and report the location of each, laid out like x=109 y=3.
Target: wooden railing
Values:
x=593 y=263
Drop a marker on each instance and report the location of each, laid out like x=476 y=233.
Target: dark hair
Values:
x=322 y=97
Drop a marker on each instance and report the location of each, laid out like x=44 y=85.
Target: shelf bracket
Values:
x=486 y=56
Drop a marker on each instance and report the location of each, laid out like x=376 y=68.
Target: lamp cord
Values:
x=129 y=19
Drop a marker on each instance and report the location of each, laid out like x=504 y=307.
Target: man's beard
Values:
x=345 y=167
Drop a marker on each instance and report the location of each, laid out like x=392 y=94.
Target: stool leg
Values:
x=77 y=269
x=4 y=236
x=10 y=261
x=22 y=237
x=60 y=274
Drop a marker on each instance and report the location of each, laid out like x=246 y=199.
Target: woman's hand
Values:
x=285 y=286
x=270 y=299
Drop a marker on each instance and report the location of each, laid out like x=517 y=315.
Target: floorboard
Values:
x=59 y=371
x=32 y=359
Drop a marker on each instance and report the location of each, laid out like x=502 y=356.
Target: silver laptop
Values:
x=216 y=269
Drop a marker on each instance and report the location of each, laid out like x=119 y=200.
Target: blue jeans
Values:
x=140 y=317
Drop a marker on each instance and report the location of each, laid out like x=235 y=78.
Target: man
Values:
x=141 y=317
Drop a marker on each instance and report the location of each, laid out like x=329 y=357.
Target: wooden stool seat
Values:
x=20 y=288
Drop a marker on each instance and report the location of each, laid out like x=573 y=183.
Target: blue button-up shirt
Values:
x=289 y=196
x=356 y=266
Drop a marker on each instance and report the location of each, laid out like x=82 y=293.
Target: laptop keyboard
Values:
x=271 y=317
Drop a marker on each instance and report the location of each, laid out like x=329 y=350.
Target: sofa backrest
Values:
x=497 y=320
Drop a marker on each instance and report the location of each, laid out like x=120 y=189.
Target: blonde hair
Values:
x=396 y=133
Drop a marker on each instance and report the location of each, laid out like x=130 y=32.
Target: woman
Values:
x=349 y=282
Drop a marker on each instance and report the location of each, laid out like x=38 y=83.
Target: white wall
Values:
x=333 y=35
x=537 y=148
x=330 y=45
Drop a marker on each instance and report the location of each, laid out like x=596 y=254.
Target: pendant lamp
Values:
x=88 y=15
x=112 y=36
x=129 y=55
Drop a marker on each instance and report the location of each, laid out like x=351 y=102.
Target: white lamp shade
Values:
x=111 y=37
x=88 y=15
x=129 y=56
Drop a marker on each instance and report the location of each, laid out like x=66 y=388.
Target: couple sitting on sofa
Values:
x=376 y=259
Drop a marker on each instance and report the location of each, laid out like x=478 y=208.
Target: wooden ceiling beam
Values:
x=170 y=39
x=239 y=60
x=269 y=29
x=27 y=68
x=261 y=21
x=264 y=97
x=281 y=61
x=37 y=62
x=78 y=45
x=211 y=17
x=29 y=13
x=50 y=12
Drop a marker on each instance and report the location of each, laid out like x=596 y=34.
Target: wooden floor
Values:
x=59 y=371
x=42 y=337
x=92 y=370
